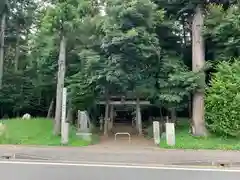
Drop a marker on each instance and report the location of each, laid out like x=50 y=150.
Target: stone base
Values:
x=84 y=136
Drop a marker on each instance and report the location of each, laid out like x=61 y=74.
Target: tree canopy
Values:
x=139 y=46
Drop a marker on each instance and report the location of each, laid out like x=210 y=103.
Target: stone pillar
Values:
x=135 y=119
x=170 y=134
x=111 y=117
x=101 y=121
x=64 y=124
x=138 y=117
x=84 y=125
x=156 y=132
x=84 y=122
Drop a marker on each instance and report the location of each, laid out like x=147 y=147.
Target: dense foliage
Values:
x=222 y=29
x=223 y=100
x=222 y=97
x=111 y=47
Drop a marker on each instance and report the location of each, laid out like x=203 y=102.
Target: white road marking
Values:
x=120 y=166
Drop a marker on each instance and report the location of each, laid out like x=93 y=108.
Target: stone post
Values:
x=170 y=134
x=156 y=132
x=64 y=124
x=111 y=118
x=138 y=117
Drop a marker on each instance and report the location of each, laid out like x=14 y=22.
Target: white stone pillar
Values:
x=170 y=134
x=64 y=124
x=156 y=132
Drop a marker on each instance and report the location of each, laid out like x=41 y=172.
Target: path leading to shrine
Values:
x=122 y=140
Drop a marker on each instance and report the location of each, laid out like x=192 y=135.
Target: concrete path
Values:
x=62 y=171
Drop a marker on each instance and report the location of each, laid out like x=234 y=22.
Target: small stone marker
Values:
x=3 y=129
x=64 y=125
x=26 y=116
x=170 y=134
x=84 y=126
x=156 y=132
x=84 y=122
x=85 y=136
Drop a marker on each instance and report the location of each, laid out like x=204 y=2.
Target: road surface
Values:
x=16 y=170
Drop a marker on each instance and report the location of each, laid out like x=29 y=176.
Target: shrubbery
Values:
x=223 y=100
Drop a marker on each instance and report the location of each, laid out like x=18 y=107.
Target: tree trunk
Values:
x=198 y=61
x=190 y=106
x=191 y=129
x=69 y=111
x=17 y=50
x=161 y=113
x=2 y=38
x=60 y=85
x=173 y=115
x=50 y=109
x=70 y=115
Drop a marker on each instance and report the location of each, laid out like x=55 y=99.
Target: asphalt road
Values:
x=12 y=170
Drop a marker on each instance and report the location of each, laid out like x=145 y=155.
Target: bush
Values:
x=223 y=100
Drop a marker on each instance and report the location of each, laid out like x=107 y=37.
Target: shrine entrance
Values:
x=124 y=116
x=124 y=120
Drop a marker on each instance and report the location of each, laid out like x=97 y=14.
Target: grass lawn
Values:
x=37 y=131
x=185 y=140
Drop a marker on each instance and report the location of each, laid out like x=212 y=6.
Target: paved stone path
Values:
x=123 y=141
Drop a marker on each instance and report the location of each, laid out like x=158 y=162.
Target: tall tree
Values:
x=222 y=31
x=3 y=14
x=198 y=63
x=23 y=17
x=130 y=42
x=61 y=21
x=194 y=11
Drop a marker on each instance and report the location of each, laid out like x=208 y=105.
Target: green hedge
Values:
x=223 y=100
